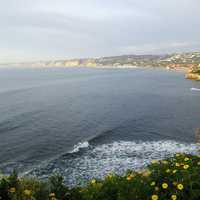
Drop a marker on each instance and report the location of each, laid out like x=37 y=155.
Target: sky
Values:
x=61 y=29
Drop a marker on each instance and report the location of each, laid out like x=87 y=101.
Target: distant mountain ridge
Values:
x=170 y=61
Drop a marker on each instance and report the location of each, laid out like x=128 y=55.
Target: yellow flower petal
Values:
x=177 y=165
x=153 y=183
x=93 y=181
x=12 y=190
x=186 y=166
x=154 y=197
x=129 y=178
x=173 y=197
x=186 y=159
x=164 y=162
x=180 y=186
x=52 y=195
x=164 y=185
x=27 y=192
x=174 y=171
x=154 y=162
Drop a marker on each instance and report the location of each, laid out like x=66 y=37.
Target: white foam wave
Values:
x=195 y=89
x=97 y=161
x=120 y=156
x=79 y=146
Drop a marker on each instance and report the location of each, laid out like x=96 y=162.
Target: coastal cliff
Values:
x=185 y=61
x=194 y=73
x=193 y=76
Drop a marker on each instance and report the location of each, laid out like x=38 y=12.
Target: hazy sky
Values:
x=54 y=29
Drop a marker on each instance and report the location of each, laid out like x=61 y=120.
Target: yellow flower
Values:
x=178 y=154
x=173 y=197
x=154 y=197
x=52 y=195
x=164 y=185
x=27 y=192
x=186 y=159
x=129 y=178
x=153 y=183
x=12 y=190
x=164 y=162
x=186 y=166
x=180 y=186
x=177 y=165
x=93 y=181
x=154 y=162
x=146 y=173
x=168 y=171
x=174 y=171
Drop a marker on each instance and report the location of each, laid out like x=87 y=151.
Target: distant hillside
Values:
x=188 y=60
x=170 y=61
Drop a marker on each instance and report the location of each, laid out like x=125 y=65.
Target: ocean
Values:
x=85 y=123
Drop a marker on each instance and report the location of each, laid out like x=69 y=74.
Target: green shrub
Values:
x=58 y=188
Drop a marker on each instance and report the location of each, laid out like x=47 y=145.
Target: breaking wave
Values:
x=195 y=89
x=79 y=146
x=117 y=157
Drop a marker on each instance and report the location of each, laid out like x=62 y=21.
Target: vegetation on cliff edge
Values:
x=177 y=177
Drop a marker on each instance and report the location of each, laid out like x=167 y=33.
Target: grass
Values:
x=175 y=178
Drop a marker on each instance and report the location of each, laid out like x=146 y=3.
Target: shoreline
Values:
x=183 y=69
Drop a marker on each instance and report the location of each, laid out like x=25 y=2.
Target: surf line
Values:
x=195 y=89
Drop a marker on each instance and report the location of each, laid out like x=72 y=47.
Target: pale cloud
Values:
x=50 y=29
